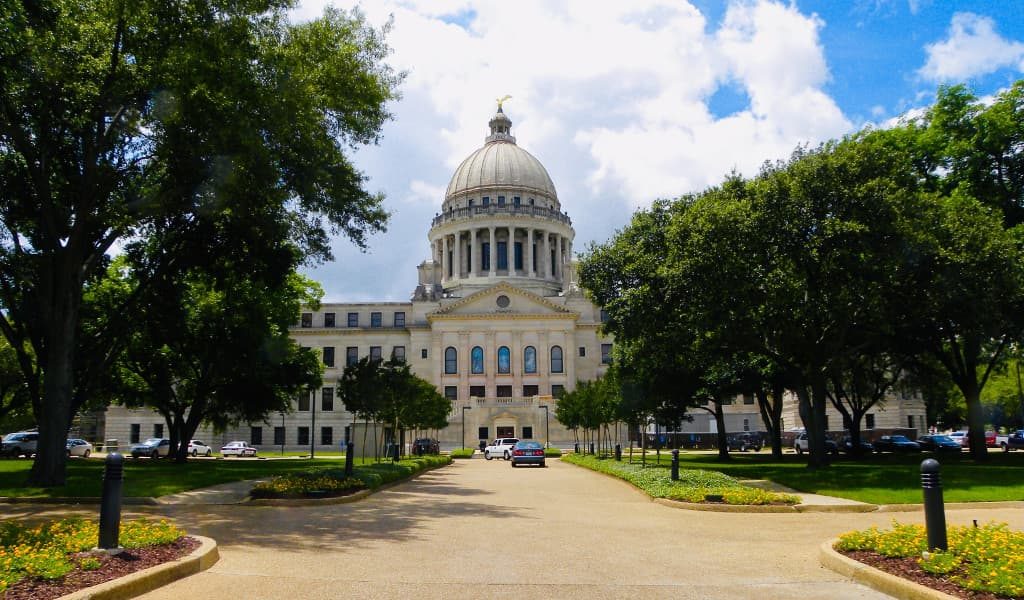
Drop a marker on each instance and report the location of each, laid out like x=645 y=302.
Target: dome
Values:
x=500 y=164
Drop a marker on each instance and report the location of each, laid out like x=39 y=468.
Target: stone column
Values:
x=457 y=270
x=558 y=257
x=546 y=257
x=529 y=252
x=510 y=251
x=493 y=271
x=444 y=259
x=474 y=254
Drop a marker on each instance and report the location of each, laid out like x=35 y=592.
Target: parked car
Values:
x=896 y=443
x=846 y=445
x=426 y=446
x=528 y=453
x=237 y=449
x=1014 y=441
x=802 y=444
x=744 y=442
x=939 y=443
x=79 y=447
x=961 y=438
x=197 y=447
x=500 y=448
x=22 y=443
x=153 y=448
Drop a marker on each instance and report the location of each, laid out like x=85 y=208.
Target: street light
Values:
x=547 y=434
x=464 y=409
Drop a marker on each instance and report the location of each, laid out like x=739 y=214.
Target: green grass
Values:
x=876 y=479
x=146 y=477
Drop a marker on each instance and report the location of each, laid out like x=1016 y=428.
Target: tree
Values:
x=15 y=402
x=119 y=116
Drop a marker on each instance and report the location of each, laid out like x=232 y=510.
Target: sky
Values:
x=628 y=102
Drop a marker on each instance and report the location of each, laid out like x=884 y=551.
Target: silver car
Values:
x=79 y=447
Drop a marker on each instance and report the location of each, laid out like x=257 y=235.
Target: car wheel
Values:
x=799 y=450
x=542 y=465
x=209 y=453
x=508 y=456
x=155 y=455
x=87 y=453
x=195 y=453
x=487 y=455
x=514 y=465
x=1005 y=447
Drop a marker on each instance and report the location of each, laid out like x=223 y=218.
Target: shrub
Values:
x=693 y=484
x=553 y=452
x=296 y=485
x=982 y=559
x=463 y=453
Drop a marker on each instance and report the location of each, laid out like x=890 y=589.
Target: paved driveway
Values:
x=481 y=530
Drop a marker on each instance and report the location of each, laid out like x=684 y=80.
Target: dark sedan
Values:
x=846 y=445
x=896 y=443
x=939 y=443
x=527 y=453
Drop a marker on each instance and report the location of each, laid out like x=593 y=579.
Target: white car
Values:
x=79 y=447
x=196 y=448
x=500 y=448
x=237 y=449
x=960 y=437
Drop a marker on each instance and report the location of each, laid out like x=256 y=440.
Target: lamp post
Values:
x=282 y=433
x=547 y=434
x=312 y=425
x=464 y=409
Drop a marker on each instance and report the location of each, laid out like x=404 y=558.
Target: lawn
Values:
x=876 y=479
x=145 y=477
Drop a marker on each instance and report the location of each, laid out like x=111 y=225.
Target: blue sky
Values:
x=627 y=102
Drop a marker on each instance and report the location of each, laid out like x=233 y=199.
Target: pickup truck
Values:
x=500 y=448
x=1014 y=441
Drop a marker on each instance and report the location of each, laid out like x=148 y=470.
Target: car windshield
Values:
x=152 y=441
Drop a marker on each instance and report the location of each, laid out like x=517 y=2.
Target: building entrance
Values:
x=506 y=432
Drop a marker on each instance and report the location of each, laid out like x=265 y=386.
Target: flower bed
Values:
x=327 y=483
x=987 y=559
x=694 y=485
x=51 y=551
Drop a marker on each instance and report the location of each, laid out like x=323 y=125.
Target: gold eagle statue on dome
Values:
x=502 y=100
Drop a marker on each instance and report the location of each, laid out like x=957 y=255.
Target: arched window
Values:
x=530 y=360
x=504 y=360
x=476 y=359
x=556 y=359
x=451 y=360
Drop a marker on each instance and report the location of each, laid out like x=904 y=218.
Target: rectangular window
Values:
x=303 y=401
x=353 y=319
x=485 y=256
x=398 y=354
x=748 y=399
x=328 y=319
x=327 y=399
x=501 y=201
x=869 y=421
x=399 y=319
x=351 y=355
x=527 y=432
x=504 y=391
x=328 y=356
x=517 y=251
x=477 y=391
x=279 y=436
x=530 y=390
x=482 y=433
x=502 y=255
x=423 y=353
x=604 y=316
x=158 y=430
x=534 y=256
x=557 y=390
x=516 y=201
x=326 y=436
x=486 y=200
x=303 y=436
x=451 y=392
x=307 y=320
x=583 y=351
x=746 y=424
x=910 y=421
x=375 y=319
x=375 y=354
x=135 y=434
x=256 y=436
x=606 y=354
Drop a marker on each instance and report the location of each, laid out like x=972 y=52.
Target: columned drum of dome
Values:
x=501 y=221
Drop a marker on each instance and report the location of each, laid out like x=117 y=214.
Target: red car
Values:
x=990 y=439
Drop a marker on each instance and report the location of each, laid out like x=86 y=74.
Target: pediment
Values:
x=503 y=301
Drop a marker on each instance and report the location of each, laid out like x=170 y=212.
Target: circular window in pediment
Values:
x=503 y=301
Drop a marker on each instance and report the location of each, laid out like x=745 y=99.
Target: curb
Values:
x=134 y=500
x=147 y=580
x=896 y=587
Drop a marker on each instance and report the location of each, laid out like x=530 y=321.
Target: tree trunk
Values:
x=816 y=435
x=771 y=414
x=723 y=442
x=975 y=422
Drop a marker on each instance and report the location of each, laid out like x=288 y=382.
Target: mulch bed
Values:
x=907 y=568
x=111 y=567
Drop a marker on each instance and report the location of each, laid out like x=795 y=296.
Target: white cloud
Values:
x=973 y=48
x=613 y=98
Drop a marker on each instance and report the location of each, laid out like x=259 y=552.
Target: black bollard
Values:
x=576 y=447
x=110 y=504
x=675 y=465
x=397 y=453
x=618 y=452
x=592 y=447
x=350 y=459
x=934 y=511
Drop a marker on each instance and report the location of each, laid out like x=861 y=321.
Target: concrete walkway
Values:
x=480 y=529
